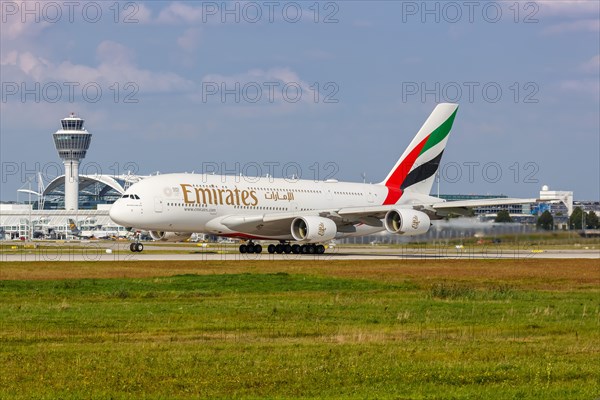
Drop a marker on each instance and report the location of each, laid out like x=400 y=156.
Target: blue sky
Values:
x=360 y=78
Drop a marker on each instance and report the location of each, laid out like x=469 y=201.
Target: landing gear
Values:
x=136 y=247
x=250 y=248
x=312 y=249
x=281 y=248
x=296 y=248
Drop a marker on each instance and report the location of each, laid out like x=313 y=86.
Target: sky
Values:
x=311 y=89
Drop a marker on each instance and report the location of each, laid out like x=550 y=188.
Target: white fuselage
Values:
x=196 y=203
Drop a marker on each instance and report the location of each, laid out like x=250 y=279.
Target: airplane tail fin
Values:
x=416 y=168
x=73 y=227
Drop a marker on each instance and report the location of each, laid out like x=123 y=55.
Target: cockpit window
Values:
x=125 y=196
x=135 y=196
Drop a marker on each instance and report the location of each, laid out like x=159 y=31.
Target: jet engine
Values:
x=407 y=222
x=169 y=236
x=312 y=229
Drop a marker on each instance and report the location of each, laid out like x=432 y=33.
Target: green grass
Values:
x=289 y=335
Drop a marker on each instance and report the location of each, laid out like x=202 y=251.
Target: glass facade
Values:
x=91 y=194
x=72 y=124
x=72 y=145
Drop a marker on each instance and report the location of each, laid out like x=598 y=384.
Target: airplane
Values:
x=302 y=215
x=92 y=234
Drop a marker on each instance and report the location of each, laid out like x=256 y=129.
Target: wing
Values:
x=277 y=225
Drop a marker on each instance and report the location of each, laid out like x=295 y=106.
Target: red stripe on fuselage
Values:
x=398 y=176
x=393 y=196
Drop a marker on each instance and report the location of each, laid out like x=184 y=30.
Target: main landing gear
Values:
x=296 y=248
x=283 y=247
x=250 y=248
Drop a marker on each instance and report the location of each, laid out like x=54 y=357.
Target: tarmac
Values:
x=119 y=251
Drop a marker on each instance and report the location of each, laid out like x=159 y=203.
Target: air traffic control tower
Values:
x=72 y=142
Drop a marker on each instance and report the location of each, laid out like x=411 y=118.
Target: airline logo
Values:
x=322 y=229
x=218 y=197
x=415 y=222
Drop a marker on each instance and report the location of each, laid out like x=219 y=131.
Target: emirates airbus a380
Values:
x=301 y=215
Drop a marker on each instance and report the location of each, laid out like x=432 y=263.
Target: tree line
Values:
x=579 y=219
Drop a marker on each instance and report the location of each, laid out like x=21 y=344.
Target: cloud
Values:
x=16 y=25
x=581 y=25
x=114 y=53
x=280 y=75
x=116 y=65
x=190 y=40
x=568 y=8
x=142 y=13
x=592 y=66
x=582 y=86
x=178 y=12
x=260 y=92
x=242 y=11
x=568 y=16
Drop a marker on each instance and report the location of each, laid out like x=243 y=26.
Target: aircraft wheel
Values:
x=139 y=247
x=257 y=248
x=132 y=247
x=287 y=249
x=250 y=248
x=279 y=249
x=320 y=249
x=271 y=249
x=296 y=248
x=304 y=249
x=243 y=248
x=311 y=249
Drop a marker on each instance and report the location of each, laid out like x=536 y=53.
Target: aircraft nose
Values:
x=118 y=214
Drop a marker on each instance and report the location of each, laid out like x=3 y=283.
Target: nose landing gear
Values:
x=136 y=247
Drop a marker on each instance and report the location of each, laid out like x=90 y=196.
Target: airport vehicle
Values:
x=301 y=215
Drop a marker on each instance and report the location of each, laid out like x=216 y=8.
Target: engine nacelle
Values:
x=407 y=222
x=312 y=229
x=169 y=236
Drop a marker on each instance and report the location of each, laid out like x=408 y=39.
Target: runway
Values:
x=111 y=251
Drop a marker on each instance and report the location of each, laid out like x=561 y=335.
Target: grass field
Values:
x=442 y=329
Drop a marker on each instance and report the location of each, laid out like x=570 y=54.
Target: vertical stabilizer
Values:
x=415 y=170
